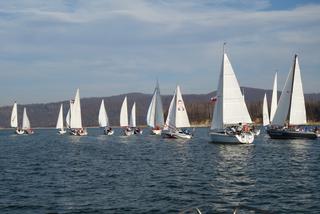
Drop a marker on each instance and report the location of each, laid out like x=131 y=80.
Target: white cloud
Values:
x=142 y=40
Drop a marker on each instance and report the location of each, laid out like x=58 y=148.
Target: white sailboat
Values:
x=177 y=118
x=68 y=116
x=291 y=111
x=104 y=120
x=132 y=123
x=274 y=100
x=155 y=112
x=14 y=119
x=265 y=112
x=26 y=127
x=60 y=121
x=124 y=118
x=75 y=117
x=230 y=115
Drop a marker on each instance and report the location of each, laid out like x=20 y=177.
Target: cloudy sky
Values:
x=110 y=47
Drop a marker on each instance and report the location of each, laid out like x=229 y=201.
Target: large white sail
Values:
x=14 y=116
x=133 y=116
x=25 y=120
x=124 y=113
x=230 y=107
x=177 y=114
x=265 y=112
x=182 y=119
x=291 y=99
x=297 y=107
x=155 y=110
x=103 y=117
x=60 y=118
x=75 y=113
x=274 y=99
x=171 y=117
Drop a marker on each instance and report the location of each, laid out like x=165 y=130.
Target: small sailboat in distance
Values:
x=124 y=118
x=289 y=121
x=75 y=117
x=104 y=120
x=133 y=123
x=155 y=112
x=177 y=118
x=26 y=127
x=230 y=115
x=265 y=112
x=60 y=121
x=14 y=119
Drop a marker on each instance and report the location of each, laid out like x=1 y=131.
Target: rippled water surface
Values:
x=48 y=173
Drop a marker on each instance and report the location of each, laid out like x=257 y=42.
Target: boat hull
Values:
x=244 y=138
x=156 y=131
x=177 y=135
x=19 y=131
x=108 y=132
x=288 y=134
x=128 y=132
x=78 y=132
x=62 y=132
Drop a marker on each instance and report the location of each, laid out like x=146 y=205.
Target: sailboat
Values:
x=26 y=127
x=265 y=112
x=124 y=118
x=274 y=100
x=177 y=118
x=155 y=112
x=230 y=116
x=103 y=120
x=14 y=119
x=60 y=121
x=75 y=117
x=132 y=123
x=291 y=110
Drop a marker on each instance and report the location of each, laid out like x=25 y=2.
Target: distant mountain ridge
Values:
x=198 y=106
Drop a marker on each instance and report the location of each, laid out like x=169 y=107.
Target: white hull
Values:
x=128 y=132
x=62 y=132
x=243 y=138
x=19 y=132
x=177 y=135
x=78 y=132
x=108 y=132
x=156 y=131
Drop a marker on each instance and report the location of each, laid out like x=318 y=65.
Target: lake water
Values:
x=48 y=173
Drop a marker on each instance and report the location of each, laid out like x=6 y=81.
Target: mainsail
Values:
x=155 y=110
x=177 y=114
x=230 y=107
x=14 y=116
x=25 y=120
x=291 y=103
x=75 y=113
x=60 y=118
x=133 y=116
x=103 y=117
x=274 y=99
x=265 y=112
x=124 y=113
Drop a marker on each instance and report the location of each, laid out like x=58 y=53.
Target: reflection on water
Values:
x=49 y=173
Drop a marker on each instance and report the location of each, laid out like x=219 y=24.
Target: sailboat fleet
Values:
x=231 y=122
